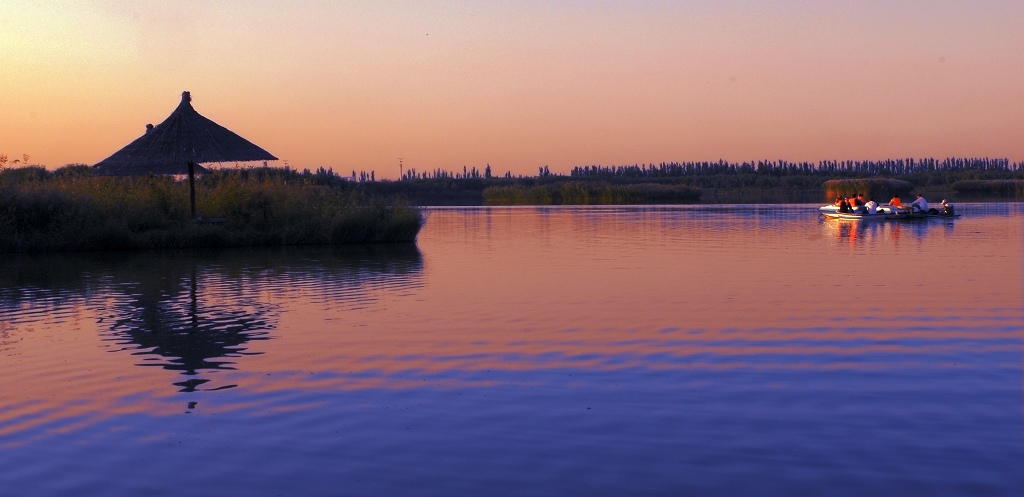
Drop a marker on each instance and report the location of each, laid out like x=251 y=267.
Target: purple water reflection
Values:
x=700 y=350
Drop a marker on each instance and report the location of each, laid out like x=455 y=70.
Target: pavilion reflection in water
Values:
x=196 y=313
x=166 y=318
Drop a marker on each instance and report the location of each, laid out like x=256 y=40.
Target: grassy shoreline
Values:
x=722 y=195
x=70 y=210
x=591 y=193
x=1011 y=189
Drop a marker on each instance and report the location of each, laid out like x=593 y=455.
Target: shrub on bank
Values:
x=881 y=189
x=1002 y=187
x=68 y=210
x=591 y=193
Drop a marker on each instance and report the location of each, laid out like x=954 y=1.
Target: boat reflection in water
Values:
x=195 y=313
x=853 y=231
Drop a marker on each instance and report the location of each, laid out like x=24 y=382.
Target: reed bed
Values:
x=69 y=210
x=880 y=189
x=1002 y=187
x=591 y=193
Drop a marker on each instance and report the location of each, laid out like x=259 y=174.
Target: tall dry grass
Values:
x=880 y=189
x=1007 y=188
x=69 y=209
x=591 y=193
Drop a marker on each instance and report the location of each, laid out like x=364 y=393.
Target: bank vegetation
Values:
x=591 y=193
x=1008 y=188
x=878 y=189
x=70 y=209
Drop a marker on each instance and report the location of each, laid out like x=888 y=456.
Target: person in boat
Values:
x=947 y=208
x=854 y=204
x=895 y=202
x=844 y=206
x=862 y=204
x=871 y=206
x=919 y=205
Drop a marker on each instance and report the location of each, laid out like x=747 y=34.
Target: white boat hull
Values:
x=885 y=213
x=851 y=216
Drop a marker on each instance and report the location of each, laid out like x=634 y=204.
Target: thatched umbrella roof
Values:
x=184 y=137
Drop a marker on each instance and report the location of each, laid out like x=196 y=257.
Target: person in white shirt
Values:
x=872 y=206
x=919 y=205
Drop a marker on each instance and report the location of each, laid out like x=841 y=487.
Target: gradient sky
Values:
x=520 y=84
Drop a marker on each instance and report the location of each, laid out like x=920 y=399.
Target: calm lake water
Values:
x=692 y=350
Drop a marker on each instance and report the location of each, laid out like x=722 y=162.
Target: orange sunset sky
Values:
x=520 y=84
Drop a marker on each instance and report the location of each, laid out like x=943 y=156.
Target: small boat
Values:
x=883 y=213
x=931 y=214
x=859 y=214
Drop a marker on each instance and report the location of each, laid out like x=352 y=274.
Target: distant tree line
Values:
x=781 y=175
x=888 y=167
x=438 y=173
x=721 y=180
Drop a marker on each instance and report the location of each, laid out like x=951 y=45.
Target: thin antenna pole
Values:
x=401 y=173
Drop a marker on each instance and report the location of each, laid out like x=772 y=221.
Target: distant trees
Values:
x=438 y=173
x=722 y=174
x=888 y=167
x=719 y=180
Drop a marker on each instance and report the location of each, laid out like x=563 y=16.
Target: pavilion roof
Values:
x=185 y=136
